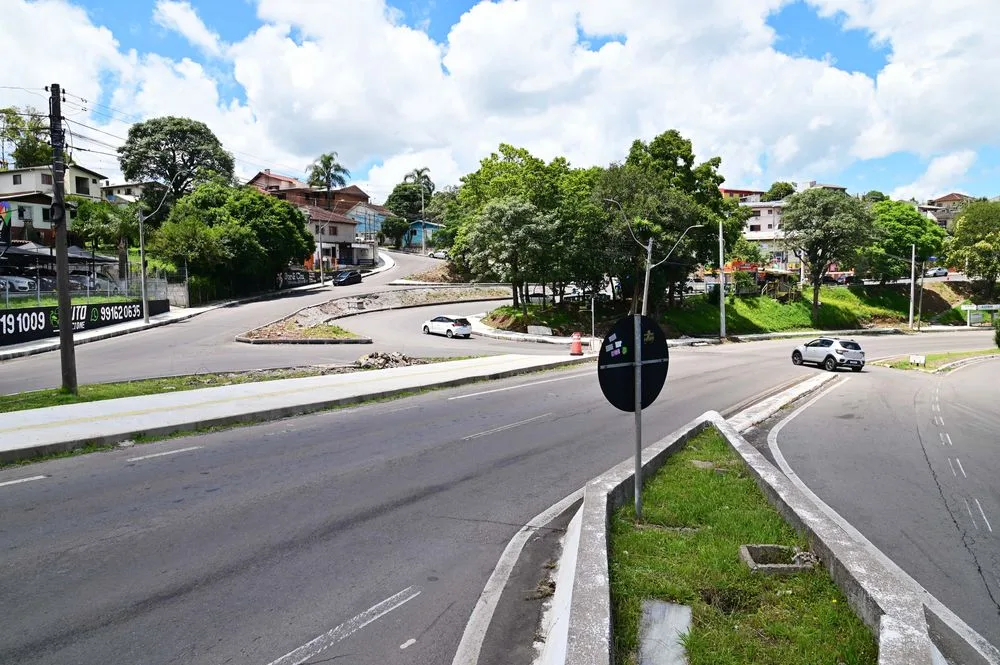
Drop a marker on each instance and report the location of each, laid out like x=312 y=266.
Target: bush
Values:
x=996 y=330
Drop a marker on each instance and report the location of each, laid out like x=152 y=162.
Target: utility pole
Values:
x=321 y=232
x=722 y=286
x=423 y=226
x=57 y=215
x=913 y=278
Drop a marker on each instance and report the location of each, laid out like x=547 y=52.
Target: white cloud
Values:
x=939 y=179
x=183 y=19
x=351 y=77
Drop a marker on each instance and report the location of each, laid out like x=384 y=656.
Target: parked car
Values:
x=448 y=325
x=15 y=283
x=830 y=353
x=345 y=277
x=940 y=271
x=439 y=254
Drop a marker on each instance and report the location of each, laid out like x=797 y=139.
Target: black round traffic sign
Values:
x=616 y=363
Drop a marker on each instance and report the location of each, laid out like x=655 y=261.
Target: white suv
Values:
x=830 y=353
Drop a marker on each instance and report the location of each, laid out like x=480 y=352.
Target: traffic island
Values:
x=938 y=363
x=737 y=615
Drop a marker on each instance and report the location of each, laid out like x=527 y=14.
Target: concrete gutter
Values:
x=911 y=626
x=182 y=314
x=35 y=432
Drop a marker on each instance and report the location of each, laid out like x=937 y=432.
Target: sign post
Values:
x=632 y=367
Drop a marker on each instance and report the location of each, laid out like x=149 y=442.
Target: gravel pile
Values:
x=378 y=360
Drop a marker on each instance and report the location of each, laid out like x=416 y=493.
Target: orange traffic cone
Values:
x=576 y=346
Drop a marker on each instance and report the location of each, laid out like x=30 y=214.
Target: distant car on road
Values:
x=345 y=277
x=439 y=254
x=448 y=325
x=830 y=353
x=936 y=272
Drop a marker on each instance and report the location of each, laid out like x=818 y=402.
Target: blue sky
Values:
x=800 y=32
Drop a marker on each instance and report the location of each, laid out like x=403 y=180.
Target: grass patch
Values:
x=327 y=331
x=935 y=360
x=563 y=320
x=23 y=302
x=853 y=307
x=737 y=616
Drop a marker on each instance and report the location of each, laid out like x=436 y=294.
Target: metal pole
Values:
x=322 y=230
x=920 y=307
x=722 y=285
x=638 y=414
x=142 y=268
x=593 y=320
x=67 y=351
x=913 y=279
x=423 y=227
x=645 y=288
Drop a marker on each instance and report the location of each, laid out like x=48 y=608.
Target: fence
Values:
x=19 y=292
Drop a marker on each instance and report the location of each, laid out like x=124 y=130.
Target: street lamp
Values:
x=142 y=247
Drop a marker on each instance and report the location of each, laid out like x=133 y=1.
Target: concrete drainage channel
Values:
x=911 y=626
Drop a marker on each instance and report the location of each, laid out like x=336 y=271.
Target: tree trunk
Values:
x=815 y=307
x=122 y=258
x=515 y=292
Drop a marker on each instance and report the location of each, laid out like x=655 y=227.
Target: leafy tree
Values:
x=327 y=172
x=779 y=190
x=179 y=152
x=513 y=172
x=102 y=222
x=748 y=252
x=395 y=228
x=421 y=176
x=445 y=209
x=404 y=201
x=825 y=227
x=875 y=196
x=24 y=132
x=506 y=241
x=976 y=243
x=898 y=226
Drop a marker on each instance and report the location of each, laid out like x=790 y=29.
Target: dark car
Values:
x=345 y=277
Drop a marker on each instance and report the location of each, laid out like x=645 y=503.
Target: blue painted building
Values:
x=413 y=237
x=369 y=218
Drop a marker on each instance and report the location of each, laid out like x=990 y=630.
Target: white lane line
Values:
x=960 y=467
x=983 y=513
x=939 y=421
x=948 y=438
x=22 y=480
x=326 y=640
x=505 y=427
x=522 y=385
x=936 y=407
x=953 y=472
x=408 y=643
x=941 y=434
x=971 y=517
x=169 y=452
x=482 y=614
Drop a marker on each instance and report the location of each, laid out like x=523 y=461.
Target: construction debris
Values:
x=378 y=360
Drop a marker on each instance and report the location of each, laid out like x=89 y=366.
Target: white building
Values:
x=29 y=193
x=127 y=192
x=764 y=229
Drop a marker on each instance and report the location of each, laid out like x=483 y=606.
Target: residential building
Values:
x=944 y=208
x=764 y=229
x=335 y=233
x=740 y=194
x=127 y=192
x=812 y=184
x=369 y=218
x=29 y=192
x=414 y=237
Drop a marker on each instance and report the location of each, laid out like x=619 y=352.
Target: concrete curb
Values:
x=816 y=333
x=35 y=450
x=248 y=340
x=314 y=340
x=890 y=602
x=965 y=361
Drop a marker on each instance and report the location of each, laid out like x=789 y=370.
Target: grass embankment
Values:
x=101 y=391
x=935 y=360
x=687 y=551
x=23 y=302
x=319 y=331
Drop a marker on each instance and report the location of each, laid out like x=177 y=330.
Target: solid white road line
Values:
x=169 y=452
x=983 y=513
x=941 y=435
x=522 y=385
x=22 y=480
x=408 y=643
x=960 y=467
x=326 y=640
x=482 y=614
x=948 y=439
x=971 y=517
x=952 y=468
x=505 y=427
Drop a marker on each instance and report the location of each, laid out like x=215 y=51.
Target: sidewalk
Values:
x=26 y=434
x=173 y=316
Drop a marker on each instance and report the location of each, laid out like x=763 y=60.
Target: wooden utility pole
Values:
x=58 y=217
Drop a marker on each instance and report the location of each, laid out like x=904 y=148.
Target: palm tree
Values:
x=420 y=177
x=327 y=172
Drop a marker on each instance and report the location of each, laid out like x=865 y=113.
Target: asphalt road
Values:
x=911 y=461
x=250 y=543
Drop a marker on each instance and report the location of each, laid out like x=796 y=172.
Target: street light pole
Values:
x=423 y=226
x=722 y=285
x=913 y=278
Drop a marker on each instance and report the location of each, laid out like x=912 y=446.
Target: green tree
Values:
x=779 y=190
x=327 y=172
x=825 y=227
x=394 y=228
x=24 y=137
x=445 y=209
x=178 y=152
x=103 y=223
x=421 y=176
x=976 y=244
x=748 y=252
x=897 y=227
x=875 y=196
x=404 y=201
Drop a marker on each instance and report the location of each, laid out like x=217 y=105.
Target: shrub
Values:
x=996 y=330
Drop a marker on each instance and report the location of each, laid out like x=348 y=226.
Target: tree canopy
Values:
x=24 y=138
x=327 y=172
x=897 y=227
x=975 y=246
x=178 y=152
x=779 y=190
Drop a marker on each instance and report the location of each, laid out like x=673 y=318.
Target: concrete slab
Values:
x=661 y=629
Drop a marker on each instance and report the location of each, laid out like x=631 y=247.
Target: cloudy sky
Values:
x=897 y=95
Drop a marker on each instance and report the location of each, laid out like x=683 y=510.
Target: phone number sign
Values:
x=34 y=323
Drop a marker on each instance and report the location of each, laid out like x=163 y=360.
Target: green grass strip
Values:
x=936 y=360
x=737 y=616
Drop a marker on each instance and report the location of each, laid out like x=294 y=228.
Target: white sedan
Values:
x=448 y=325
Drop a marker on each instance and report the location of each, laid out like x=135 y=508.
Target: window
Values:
x=852 y=346
x=24 y=213
x=755 y=227
x=17 y=178
x=93 y=180
x=317 y=229
x=45 y=213
x=128 y=191
x=82 y=186
x=46 y=178
x=770 y=226
x=755 y=213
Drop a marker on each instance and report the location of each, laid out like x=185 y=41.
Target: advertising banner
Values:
x=33 y=323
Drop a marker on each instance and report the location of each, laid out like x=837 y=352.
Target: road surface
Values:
x=248 y=544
